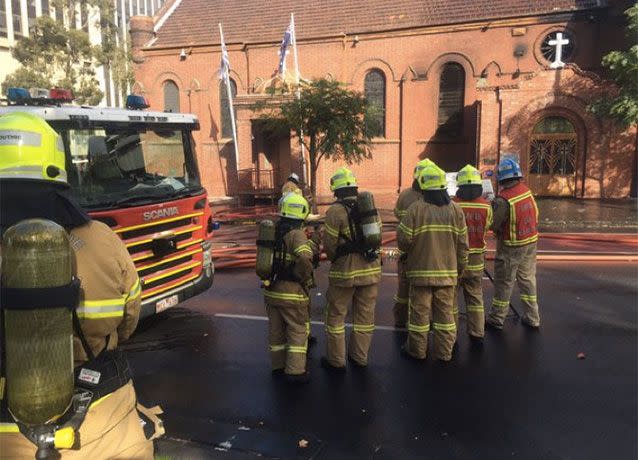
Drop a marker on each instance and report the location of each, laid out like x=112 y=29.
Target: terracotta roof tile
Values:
x=194 y=22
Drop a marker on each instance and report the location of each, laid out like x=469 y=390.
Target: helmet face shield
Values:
x=30 y=149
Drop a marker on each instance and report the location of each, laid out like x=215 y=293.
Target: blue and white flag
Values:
x=283 y=49
x=224 y=66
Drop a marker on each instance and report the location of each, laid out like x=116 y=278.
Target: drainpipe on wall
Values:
x=499 y=101
x=400 y=134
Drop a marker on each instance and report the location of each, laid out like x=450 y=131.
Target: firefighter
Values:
x=516 y=227
x=478 y=217
x=287 y=298
x=291 y=185
x=406 y=198
x=33 y=184
x=433 y=234
x=355 y=272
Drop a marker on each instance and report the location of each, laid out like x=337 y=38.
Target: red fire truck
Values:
x=136 y=171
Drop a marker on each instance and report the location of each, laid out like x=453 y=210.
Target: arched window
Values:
x=451 y=100
x=227 y=127
x=171 y=96
x=374 y=90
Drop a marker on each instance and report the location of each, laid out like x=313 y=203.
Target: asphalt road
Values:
x=525 y=395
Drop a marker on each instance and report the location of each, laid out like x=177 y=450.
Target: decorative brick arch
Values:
x=369 y=64
x=443 y=59
x=161 y=78
x=214 y=82
x=518 y=129
x=138 y=88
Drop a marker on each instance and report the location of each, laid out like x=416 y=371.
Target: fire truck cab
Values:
x=137 y=172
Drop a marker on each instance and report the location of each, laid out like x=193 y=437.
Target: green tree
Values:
x=622 y=105
x=53 y=56
x=332 y=120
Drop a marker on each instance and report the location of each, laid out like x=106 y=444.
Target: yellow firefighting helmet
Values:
x=30 y=149
x=432 y=178
x=342 y=178
x=294 y=206
x=468 y=175
x=421 y=165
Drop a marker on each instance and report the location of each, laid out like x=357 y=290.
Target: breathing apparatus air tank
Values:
x=36 y=264
x=265 y=249
x=369 y=220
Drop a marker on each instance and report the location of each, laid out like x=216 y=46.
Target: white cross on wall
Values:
x=558 y=42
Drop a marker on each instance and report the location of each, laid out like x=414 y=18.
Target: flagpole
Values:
x=298 y=95
x=230 y=101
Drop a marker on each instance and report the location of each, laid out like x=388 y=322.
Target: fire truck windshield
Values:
x=113 y=167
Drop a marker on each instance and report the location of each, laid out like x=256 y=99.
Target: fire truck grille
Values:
x=161 y=227
x=171 y=263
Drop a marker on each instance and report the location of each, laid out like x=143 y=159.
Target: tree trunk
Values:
x=313 y=186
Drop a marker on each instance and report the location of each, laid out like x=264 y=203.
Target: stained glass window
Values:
x=374 y=90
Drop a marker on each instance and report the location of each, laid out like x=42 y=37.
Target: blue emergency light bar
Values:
x=134 y=102
x=18 y=94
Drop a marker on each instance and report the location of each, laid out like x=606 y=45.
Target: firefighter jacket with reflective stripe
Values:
x=406 y=198
x=110 y=290
x=351 y=269
x=521 y=224
x=297 y=260
x=435 y=240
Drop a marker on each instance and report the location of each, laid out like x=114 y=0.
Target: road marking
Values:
x=316 y=323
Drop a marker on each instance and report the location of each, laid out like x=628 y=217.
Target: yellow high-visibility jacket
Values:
x=435 y=240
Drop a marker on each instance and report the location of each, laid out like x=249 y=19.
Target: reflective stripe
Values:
x=285 y=296
x=476 y=308
x=513 y=241
x=97 y=309
x=295 y=349
x=308 y=327
x=478 y=250
x=400 y=212
x=400 y=300
x=331 y=231
x=363 y=327
x=531 y=239
x=415 y=328
x=352 y=274
x=439 y=228
x=500 y=303
x=529 y=298
x=455 y=311
x=405 y=229
x=336 y=329
x=303 y=248
x=9 y=428
x=276 y=348
x=474 y=268
x=445 y=326
x=135 y=291
x=468 y=205
x=431 y=273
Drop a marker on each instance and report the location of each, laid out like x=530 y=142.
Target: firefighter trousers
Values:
x=112 y=429
x=435 y=303
x=400 y=309
x=514 y=265
x=363 y=300
x=472 y=287
x=288 y=327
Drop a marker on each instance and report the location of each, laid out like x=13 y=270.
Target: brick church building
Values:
x=458 y=81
